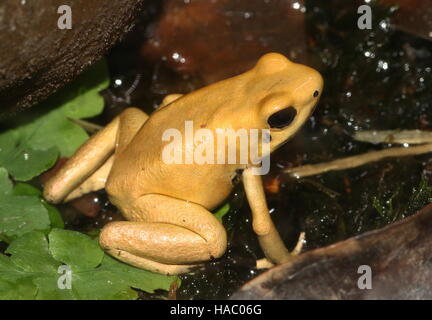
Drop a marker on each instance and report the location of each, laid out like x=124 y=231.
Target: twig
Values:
x=356 y=161
x=86 y=125
x=394 y=136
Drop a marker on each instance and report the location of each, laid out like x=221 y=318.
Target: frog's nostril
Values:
x=282 y=118
x=316 y=93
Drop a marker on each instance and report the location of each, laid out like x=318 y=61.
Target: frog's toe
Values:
x=147 y=264
x=300 y=244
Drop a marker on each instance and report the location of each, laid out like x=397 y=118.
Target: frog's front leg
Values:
x=269 y=238
x=88 y=169
x=165 y=235
x=91 y=156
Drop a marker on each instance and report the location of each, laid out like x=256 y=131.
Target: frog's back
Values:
x=140 y=168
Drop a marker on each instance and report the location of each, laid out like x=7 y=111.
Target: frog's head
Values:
x=286 y=94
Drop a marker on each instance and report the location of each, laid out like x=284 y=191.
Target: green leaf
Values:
x=101 y=285
x=137 y=278
x=5 y=184
x=83 y=99
x=22 y=289
x=80 y=99
x=31 y=254
x=24 y=189
x=48 y=289
x=221 y=212
x=30 y=265
x=75 y=249
x=41 y=134
x=98 y=276
x=30 y=258
x=28 y=163
x=54 y=216
x=32 y=271
x=19 y=214
x=9 y=271
x=21 y=159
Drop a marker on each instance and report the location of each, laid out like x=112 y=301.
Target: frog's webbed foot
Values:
x=300 y=243
x=165 y=235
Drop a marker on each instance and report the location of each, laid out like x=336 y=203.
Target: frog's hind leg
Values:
x=166 y=235
x=88 y=169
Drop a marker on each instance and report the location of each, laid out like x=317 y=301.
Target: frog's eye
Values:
x=282 y=118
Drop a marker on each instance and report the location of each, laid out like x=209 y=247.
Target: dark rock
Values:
x=399 y=255
x=37 y=58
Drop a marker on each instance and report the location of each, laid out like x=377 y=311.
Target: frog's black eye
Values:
x=316 y=94
x=282 y=118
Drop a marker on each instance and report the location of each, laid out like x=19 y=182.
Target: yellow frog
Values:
x=170 y=227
